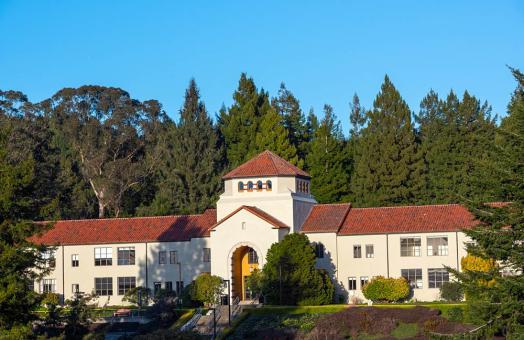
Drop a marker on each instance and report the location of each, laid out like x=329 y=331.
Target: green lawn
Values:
x=405 y=330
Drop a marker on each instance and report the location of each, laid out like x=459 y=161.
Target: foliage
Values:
x=77 y=315
x=386 y=289
x=207 y=289
x=140 y=296
x=478 y=264
x=389 y=165
x=405 y=330
x=456 y=314
x=499 y=236
x=451 y=291
x=290 y=276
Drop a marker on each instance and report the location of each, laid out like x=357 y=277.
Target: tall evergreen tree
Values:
x=456 y=136
x=294 y=120
x=272 y=135
x=327 y=162
x=357 y=117
x=389 y=166
x=500 y=236
x=197 y=160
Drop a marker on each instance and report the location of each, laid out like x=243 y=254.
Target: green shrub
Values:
x=451 y=291
x=456 y=314
x=381 y=289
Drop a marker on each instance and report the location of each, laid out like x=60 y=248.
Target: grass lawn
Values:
x=293 y=310
x=405 y=330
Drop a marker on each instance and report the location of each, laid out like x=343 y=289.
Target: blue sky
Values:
x=323 y=50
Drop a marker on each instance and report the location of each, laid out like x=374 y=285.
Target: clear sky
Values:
x=323 y=50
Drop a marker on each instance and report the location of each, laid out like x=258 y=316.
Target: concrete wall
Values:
x=339 y=260
x=146 y=269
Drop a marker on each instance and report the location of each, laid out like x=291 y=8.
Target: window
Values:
x=410 y=246
x=157 y=286
x=437 y=276
x=259 y=185
x=437 y=246
x=413 y=276
x=48 y=286
x=75 y=288
x=352 y=283
x=49 y=257
x=125 y=284
x=269 y=185
x=252 y=257
x=172 y=257
x=162 y=257
x=357 y=251
x=179 y=287
x=319 y=250
x=31 y=286
x=103 y=256
x=169 y=286
x=240 y=186
x=307 y=187
x=370 y=251
x=104 y=286
x=75 y=260
x=126 y=256
x=363 y=281
x=206 y=255
x=249 y=185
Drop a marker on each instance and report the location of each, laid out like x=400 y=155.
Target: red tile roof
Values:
x=325 y=218
x=266 y=164
x=407 y=219
x=276 y=223
x=129 y=230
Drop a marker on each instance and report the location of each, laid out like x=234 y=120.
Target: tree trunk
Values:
x=101 y=208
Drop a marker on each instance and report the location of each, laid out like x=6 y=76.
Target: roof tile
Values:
x=325 y=218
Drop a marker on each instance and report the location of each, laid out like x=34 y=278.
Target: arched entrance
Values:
x=243 y=261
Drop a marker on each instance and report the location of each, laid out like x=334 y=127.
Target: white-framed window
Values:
x=75 y=288
x=104 y=256
x=413 y=276
x=363 y=281
x=126 y=256
x=48 y=286
x=437 y=276
x=352 y=283
x=437 y=246
x=103 y=286
x=410 y=246
x=125 y=284
x=172 y=257
x=75 y=260
x=206 y=255
x=162 y=257
x=357 y=251
x=370 y=251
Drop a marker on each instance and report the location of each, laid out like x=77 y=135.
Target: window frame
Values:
x=269 y=185
x=438 y=277
x=73 y=286
x=104 y=287
x=370 y=255
x=363 y=281
x=357 y=251
x=125 y=284
x=168 y=286
x=414 y=277
x=157 y=287
x=206 y=255
x=241 y=186
x=250 y=186
x=129 y=259
x=441 y=249
x=103 y=261
x=48 y=285
x=259 y=185
x=411 y=249
x=173 y=257
x=352 y=279
x=162 y=257
x=75 y=260
x=252 y=259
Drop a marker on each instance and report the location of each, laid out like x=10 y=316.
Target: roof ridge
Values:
x=322 y=204
x=124 y=218
x=409 y=206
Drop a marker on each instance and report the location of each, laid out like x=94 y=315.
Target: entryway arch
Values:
x=243 y=259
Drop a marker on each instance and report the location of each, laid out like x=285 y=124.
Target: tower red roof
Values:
x=266 y=164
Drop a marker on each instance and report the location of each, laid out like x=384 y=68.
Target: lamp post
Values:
x=229 y=300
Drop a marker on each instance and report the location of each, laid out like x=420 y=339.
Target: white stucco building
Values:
x=263 y=200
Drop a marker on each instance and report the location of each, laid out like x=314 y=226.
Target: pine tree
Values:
x=327 y=162
x=499 y=237
x=357 y=117
x=293 y=120
x=389 y=168
x=197 y=159
x=455 y=136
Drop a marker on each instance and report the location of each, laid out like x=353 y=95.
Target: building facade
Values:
x=263 y=200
